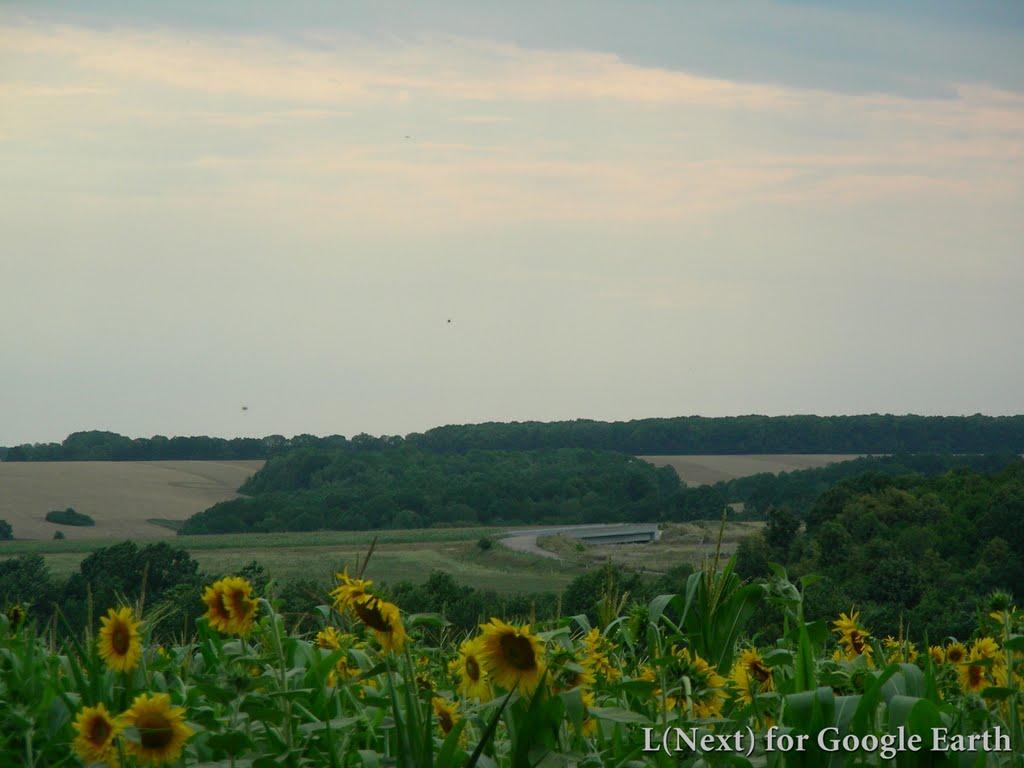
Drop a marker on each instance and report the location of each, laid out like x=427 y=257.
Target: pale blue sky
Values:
x=626 y=209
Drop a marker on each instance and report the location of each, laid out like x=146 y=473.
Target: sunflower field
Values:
x=366 y=684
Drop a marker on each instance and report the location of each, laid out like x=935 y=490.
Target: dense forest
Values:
x=315 y=489
x=407 y=488
x=682 y=435
x=798 y=490
x=915 y=552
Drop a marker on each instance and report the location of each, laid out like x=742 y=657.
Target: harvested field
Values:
x=705 y=470
x=121 y=496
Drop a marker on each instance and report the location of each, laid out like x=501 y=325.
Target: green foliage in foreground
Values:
x=286 y=696
x=69 y=516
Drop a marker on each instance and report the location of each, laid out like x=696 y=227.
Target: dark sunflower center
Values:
x=518 y=651
x=956 y=656
x=155 y=732
x=222 y=607
x=857 y=642
x=974 y=675
x=472 y=668
x=120 y=639
x=240 y=604
x=370 y=614
x=446 y=721
x=760 y=672
x=99 y=730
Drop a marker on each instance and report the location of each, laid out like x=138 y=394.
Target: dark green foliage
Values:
x=465 y=607
x=921 y=552
x=800 y=490
x=356 y=490
x=126 y=572
x=69 y=517
x=874 y=433
x=484 y=544
x=6 y=532
x=59 y=535
x=26 y=579
x=583 y=593
x=97 y=445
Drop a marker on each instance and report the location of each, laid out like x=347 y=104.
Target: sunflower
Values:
x=217 y=614
x=349 y=590
x=230 y=607
x=447 y=714
x=96 y=736
x=598 y=658
x=589 y=723
x=938 y=656
x=973 y=677
x=328 y=639
x=899 y=650
x=512 y=656
x=706 y=685
x=751 y=676
x=956 y=653
x=119 y=644
x=986 y=648
x=473 y=682
x=853 y=638
x=241 y=605
x=383 y=618
x=162 y=731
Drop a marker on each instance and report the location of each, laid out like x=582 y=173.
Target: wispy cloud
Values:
x=570 y=135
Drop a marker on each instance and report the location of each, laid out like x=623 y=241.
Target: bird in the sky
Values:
x=245 y=407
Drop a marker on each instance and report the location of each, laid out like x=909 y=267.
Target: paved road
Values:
x=526 y=540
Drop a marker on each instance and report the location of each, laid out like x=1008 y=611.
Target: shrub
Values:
x=69 y=517
x=6 y=532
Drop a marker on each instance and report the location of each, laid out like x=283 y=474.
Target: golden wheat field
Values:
x=705 y=470
x=121 y=496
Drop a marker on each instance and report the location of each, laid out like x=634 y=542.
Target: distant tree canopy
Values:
x=681 y=435
x=315 y=489
x=6 y=532
x=407 y=488
x=798 y=490
x=743 y=434
x=913 y=552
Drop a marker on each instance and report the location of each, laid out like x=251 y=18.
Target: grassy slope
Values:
x=399 y=555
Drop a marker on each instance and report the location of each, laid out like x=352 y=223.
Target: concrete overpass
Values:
x=614 y=533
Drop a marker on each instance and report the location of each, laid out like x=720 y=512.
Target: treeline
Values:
x=743 y=434
x=96 y=445
x=314 y=489
x=681 y=435
x=912 y=552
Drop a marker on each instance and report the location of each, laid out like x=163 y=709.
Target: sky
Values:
x=356 y=217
